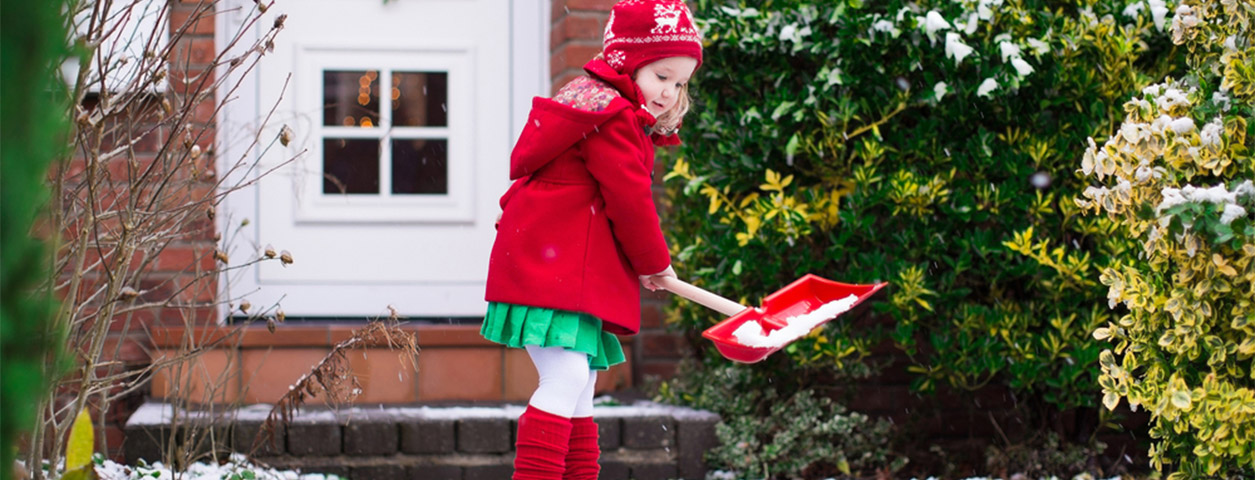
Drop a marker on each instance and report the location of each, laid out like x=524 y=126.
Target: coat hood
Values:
x=551 y=129
x=624 y=83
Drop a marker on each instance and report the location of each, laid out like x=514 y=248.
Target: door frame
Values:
x=528 y=69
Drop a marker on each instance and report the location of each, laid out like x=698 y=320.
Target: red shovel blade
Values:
x=803 y=296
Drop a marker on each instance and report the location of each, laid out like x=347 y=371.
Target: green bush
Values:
x=765 y=433
x=1176 y=178
x=927 y=144
x=1047 y=457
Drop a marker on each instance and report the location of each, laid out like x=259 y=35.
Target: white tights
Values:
x=566 y=382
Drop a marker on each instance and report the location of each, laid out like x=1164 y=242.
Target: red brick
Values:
x=123 y=407
x=179 y=288
x=202 y=135
x=117 y=170
x=199 y=192
x=561 y=80
x=198 y=315
x=657 y=295
x=896 y=372
x=195 y=51
x=617 y=378
x=661 y=345
x=203 y=114
x=664 y=371
x=110 y=256
x=157 y=288
x=888 y=400
x=651 y=315
x=185 y=258
x=572 y=57
x=199 y=226
x=577 y=26
x=142 y=134
x=661 y=167
x=130 y=320
x=598 y=5
x=460 y=374
x=127 y=169
x=661 y=202
x=141 y=319
x=70 y=170
x=87 y=284
x=190 y=79
x=192 y=21
x=441 y=336
x=114 y=436
x=201 y=288
x=107 y=197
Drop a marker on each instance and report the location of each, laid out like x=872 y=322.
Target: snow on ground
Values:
x=236 y=468
x=722 y=475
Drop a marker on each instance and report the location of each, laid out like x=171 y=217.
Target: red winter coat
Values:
x=579 y=223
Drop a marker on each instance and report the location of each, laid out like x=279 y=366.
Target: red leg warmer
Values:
x=581 y=460
x=540 y=448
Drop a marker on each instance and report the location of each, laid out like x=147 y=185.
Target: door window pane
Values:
x=350 y=98
x=350 y=166
x=420 y=99
x=420 y=166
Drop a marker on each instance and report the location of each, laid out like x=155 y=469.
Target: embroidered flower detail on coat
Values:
x=586 y=93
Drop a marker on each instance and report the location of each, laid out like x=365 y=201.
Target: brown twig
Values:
x=333 y=378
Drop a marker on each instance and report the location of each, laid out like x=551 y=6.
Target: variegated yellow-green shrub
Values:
x=1176 y=177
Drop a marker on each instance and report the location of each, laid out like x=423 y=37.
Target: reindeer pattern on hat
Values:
x=666 y=17
x=634 y=25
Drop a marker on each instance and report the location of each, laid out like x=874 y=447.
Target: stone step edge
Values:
x=623 y=456
x=155 y=414
x=643 y=434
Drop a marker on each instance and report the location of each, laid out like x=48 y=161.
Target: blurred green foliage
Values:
x=32 y=127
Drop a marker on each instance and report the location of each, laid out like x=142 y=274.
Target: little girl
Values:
x=579 y=230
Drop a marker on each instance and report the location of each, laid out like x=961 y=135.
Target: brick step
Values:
x=641 y=441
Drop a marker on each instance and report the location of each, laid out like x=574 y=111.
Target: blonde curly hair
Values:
x=669 y=122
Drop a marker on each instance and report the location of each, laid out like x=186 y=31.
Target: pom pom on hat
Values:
x=642 y=31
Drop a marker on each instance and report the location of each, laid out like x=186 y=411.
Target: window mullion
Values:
x=385 y=142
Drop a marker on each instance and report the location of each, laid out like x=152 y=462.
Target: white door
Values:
x=403 y=116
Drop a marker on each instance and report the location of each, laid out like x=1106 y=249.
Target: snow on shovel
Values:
x=749 y=335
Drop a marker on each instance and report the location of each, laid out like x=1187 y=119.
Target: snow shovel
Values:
x=749 y=335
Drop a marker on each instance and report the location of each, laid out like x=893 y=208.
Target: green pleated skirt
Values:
x=517 y=326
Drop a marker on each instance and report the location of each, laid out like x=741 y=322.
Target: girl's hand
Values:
x=647 y=281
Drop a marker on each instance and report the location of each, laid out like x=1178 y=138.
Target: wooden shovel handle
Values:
x=699 y=295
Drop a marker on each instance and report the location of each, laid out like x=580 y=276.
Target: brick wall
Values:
x=179 y=270
x=575 y=37
x=456 y=366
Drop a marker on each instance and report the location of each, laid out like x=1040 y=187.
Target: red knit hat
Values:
x=642 y=31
